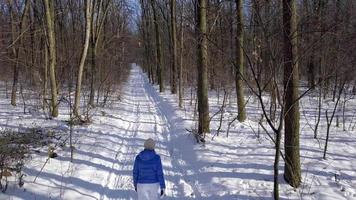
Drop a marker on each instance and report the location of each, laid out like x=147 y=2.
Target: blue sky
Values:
x=135 y=6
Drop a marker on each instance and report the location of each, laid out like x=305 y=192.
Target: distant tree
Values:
x=174 y=46
x=180 y=71
x=158 y=58
x=147 y=40
x=96 y=28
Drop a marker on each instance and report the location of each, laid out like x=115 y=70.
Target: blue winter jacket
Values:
x=148 y=168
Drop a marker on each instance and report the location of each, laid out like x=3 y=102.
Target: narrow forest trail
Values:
x=106 y=149
x=119 y=137
x=137 y=117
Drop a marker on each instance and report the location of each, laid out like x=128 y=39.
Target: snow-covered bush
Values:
x=14 y=149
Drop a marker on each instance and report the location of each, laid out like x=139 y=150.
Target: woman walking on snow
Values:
x=148 y=173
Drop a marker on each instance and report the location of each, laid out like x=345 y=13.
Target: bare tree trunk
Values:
x=150 y=50
x=97 y=23
x=336 y=41
x=45 y=75
x=330 y=120
x=311 y=72
x=14 y=55
x=308 y=39
x=174 y=46
x=319 y=13
x=319 y=113
x=49 y=11
x=231 y=24
x=291 y=85
x=16 y=51
x=146 y=40
x=88 y=10
x=240 y=62
x=202 y=93
x=146 y=29
x=180 y=74
x=277 y=146
x=159 y=58
x=93 y=72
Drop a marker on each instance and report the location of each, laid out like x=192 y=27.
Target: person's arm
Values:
x=160 y=174
x=135 y=173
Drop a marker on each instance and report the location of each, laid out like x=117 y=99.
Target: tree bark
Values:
x=88 y=10
x=202 y=93
x=15 y=56
x=17 y=51
x=45 y=75
x=174 y=46
x=180 y=74
x=92 y=41
x=93 y=72
x=97 y=23
x=49 y=12
x=277 y=147
x=330 y=120
x=291 y=85
x=159 y=58
x=145 y=36
x=240 y=62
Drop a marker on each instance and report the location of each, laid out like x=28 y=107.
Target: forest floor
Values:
x=236 y=167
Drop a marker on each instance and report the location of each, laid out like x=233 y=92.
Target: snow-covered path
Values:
x=105 y=151
x=136 y=118
x=238 y=167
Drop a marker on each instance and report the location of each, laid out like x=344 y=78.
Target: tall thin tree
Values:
x=240 y=61
x=202 y=93
x=97 y=24
x=159 y=58
x=49 y=12
x=180 y=73
x=291 y=85
x=88 y=15
x=16 y=48
x=174 y=46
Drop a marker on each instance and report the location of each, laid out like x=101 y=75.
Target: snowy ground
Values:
x=238 y=167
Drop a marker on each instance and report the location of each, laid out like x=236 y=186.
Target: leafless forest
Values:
x=275 y=51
